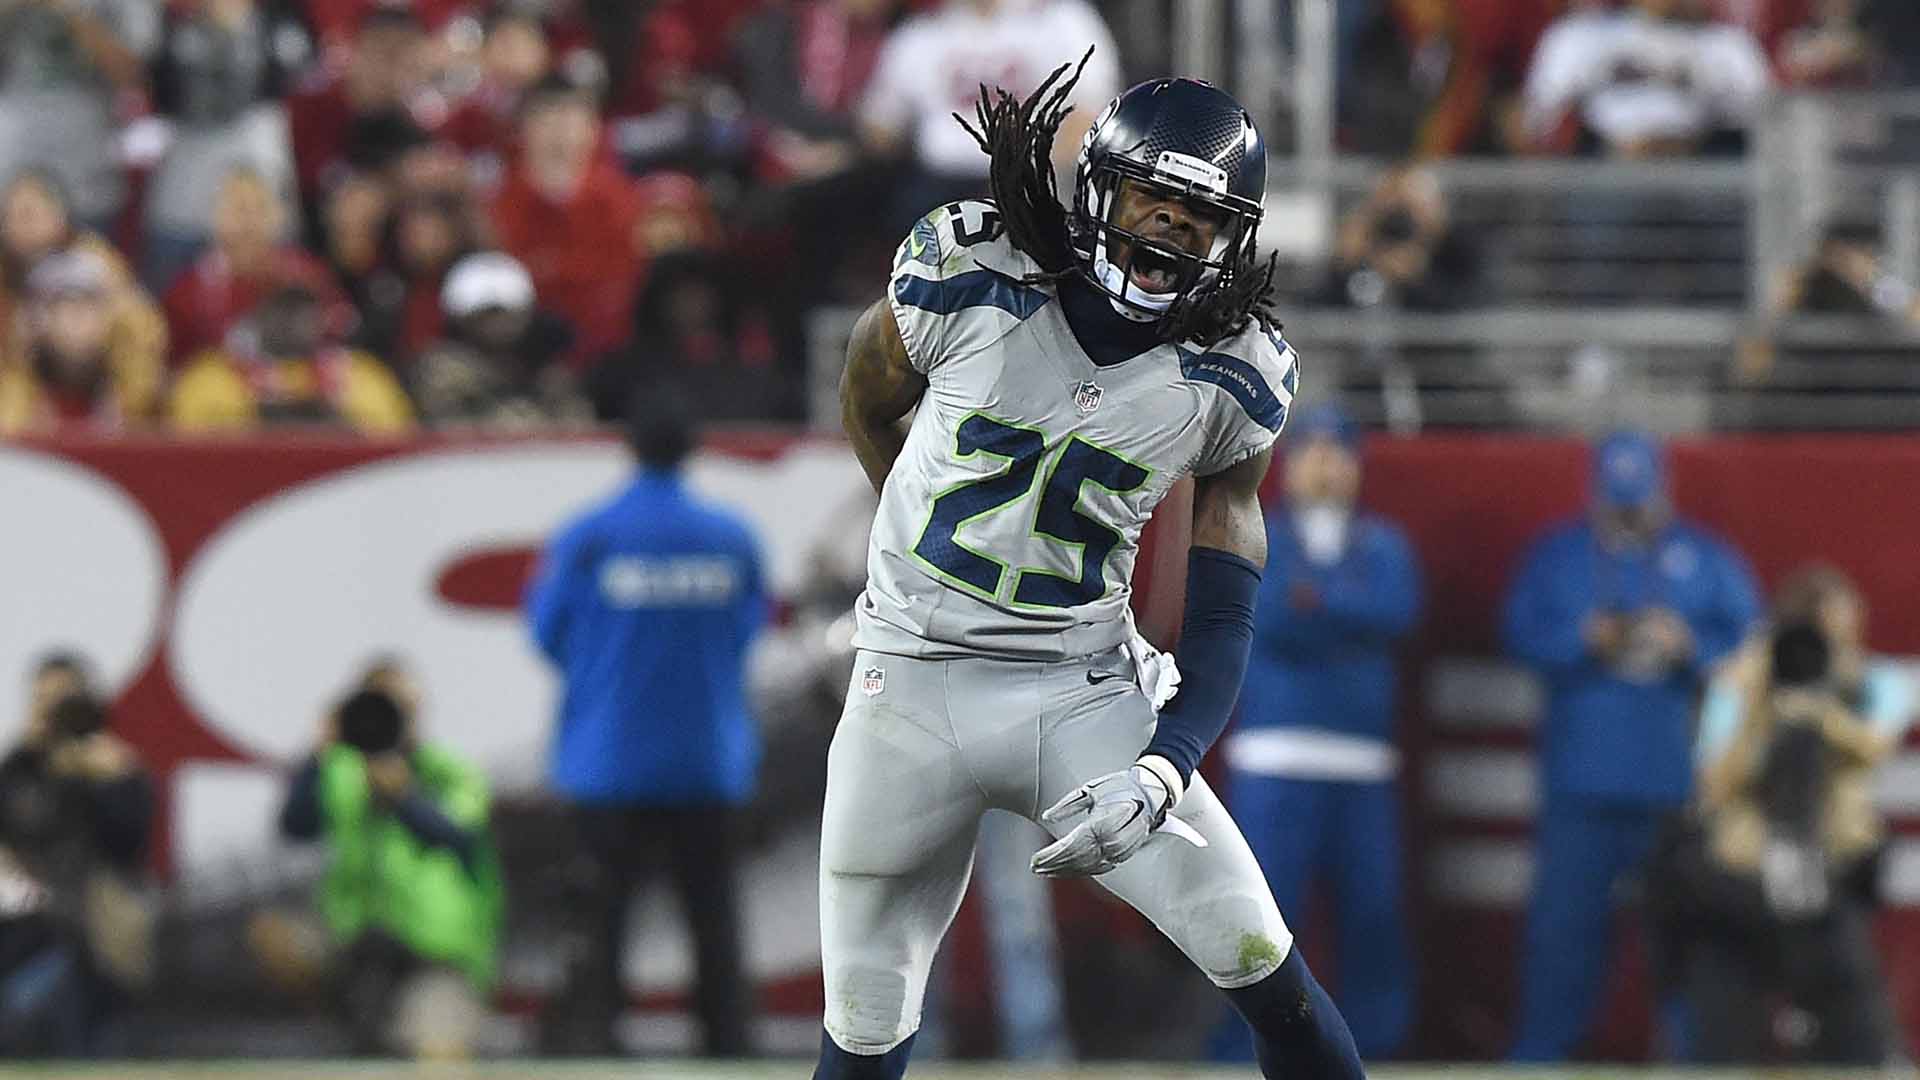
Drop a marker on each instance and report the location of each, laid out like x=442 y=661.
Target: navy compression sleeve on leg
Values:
x=1297 y=1033
x=1215 y=638
x=838 y=1064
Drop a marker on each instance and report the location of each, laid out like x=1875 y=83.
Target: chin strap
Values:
x=1118 y=284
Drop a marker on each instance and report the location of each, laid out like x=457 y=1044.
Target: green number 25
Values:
x=1070 y=465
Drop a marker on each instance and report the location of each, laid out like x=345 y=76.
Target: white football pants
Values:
x=924 y=748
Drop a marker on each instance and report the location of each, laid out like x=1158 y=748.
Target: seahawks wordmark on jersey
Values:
x=1009 y=525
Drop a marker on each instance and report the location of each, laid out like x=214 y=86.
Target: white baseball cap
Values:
x=490 y=279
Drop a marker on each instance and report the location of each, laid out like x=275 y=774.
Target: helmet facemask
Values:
x=1187 y=275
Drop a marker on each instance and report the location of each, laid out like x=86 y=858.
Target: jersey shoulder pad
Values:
x=1255 y=372
x=957 y=282
x=958 y=238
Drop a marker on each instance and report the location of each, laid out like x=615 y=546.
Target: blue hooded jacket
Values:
x=1605 y=736
x=1330 y=665
x=647 y=605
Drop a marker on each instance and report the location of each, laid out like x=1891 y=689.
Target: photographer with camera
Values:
x=75 y=810
x=1401 y=248
x=1776 y=900
x=413 y=900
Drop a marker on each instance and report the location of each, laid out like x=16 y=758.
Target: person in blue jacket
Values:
x=1623 y=616
x=647 y=604
x=1312 y=764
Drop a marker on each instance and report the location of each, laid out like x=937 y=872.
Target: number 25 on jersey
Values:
x=1069 y=466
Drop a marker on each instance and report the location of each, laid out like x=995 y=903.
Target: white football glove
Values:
x=1122 y=809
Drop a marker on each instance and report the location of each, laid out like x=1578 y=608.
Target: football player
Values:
x=1063 y=370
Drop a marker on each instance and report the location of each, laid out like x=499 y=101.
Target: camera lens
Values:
x=77 y=716
x=1801 y=656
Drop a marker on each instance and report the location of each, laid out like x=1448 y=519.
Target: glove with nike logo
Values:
x=1120 y=811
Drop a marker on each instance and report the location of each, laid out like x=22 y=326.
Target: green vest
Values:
x=383 y=877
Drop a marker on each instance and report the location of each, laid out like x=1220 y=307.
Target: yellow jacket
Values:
x=218 y=392
x=136 y=352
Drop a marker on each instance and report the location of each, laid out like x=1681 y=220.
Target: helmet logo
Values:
x=1186 y=169
x=1086 y=396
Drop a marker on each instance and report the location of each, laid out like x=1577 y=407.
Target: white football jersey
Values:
x=1010 y=522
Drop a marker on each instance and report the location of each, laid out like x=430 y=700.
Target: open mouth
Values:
x=1152 y=271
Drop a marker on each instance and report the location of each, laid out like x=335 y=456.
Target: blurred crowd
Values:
x=376 y=215
x=1637 y=78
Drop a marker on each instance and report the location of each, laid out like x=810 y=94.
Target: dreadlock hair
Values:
x=1243 y=291
x=1018 y=139
x=1017 y=136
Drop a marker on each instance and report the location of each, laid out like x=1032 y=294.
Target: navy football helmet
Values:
x=1181 y=136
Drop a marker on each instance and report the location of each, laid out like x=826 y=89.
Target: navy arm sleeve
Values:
x=1215 y=638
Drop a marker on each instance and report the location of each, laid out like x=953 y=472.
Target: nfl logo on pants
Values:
x=872 y=681
x=1086 y=396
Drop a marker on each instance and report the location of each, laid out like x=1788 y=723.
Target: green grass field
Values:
x=661 y=1070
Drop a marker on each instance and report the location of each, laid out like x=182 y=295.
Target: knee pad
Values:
x=1236 y=939
x=866 y=1009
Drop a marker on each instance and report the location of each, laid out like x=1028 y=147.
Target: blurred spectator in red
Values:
x=340 y=20
x=1657 y=79
x=1477 y=52
x=282 y=368
x=353 y=226
x=804 y=67
x=934 y=65
x=250 y=255
x=358 y=112
x=675 y=215
x=433 y=166
x=429 y=222
x=1766 y=20
x=66 y=372
x=515 y=53
x=569 y=215
x=222 y=68
x=669 y=106
x=1852 y=43
x=500 y=367
x=35 y=225
x=66 y=68
x=693 y=328
x=650 y=47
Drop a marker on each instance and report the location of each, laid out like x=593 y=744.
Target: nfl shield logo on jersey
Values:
x=872 y=681
x=1086 y=396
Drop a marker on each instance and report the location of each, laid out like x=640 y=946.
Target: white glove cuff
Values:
x=1161 y=773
